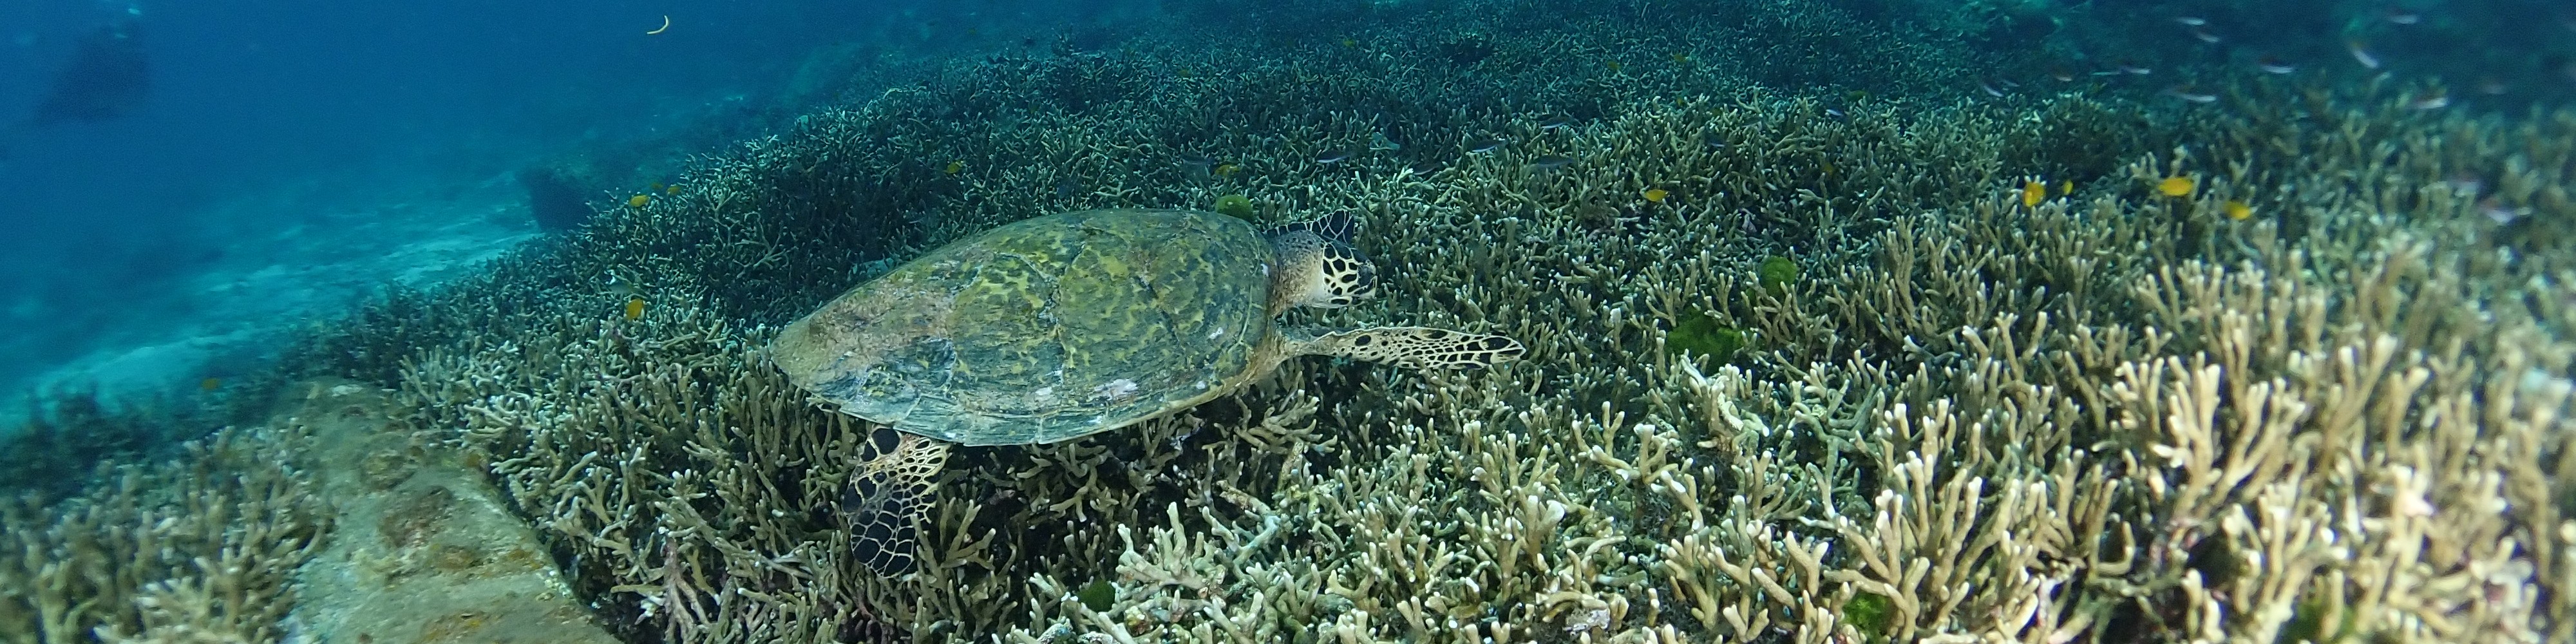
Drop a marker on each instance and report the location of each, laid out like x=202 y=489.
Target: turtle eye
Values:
x=1360 y=282
x=1345 y=277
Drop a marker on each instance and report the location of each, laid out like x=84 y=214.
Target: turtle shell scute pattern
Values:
x=1046 y=329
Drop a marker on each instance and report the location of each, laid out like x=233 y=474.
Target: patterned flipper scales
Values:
x=1412 y=347
x=888 y=499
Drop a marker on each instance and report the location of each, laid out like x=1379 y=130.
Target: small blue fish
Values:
x=2361 y=53
x=2185 y=92
x=1556 y=123
x=1333 y=156
x=1551 y=162
x=1481 y=146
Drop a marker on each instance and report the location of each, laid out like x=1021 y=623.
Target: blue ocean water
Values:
x=296 y=136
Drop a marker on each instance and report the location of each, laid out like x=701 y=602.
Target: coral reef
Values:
x=2109 y=416
x=194 y=549
x=2319 y=393
x=75 y=432
x=2114 y=415
x=323 y=524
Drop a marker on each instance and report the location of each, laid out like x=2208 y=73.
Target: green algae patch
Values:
x=1236 y=206
x=1777 y=274
x=1699 y=334
x=2307 y=624
x=1098 y=596
x=1869 y=614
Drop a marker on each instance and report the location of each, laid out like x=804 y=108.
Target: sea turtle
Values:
x=1072 y=324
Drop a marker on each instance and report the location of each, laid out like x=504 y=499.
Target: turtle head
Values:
x=1315 y=265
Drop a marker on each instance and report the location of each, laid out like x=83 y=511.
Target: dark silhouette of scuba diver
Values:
x=107 y=77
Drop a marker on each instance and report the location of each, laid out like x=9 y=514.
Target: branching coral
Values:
x=2109 y=415
x=194 y=550
x=2323 y=395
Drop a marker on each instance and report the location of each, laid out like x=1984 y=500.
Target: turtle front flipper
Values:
x=888 y=498
x=1412 y=347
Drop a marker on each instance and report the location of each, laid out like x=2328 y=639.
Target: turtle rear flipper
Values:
x=1409 y=346
x=889 y=497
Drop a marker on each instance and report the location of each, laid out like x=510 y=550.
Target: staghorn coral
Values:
x=2111 y=416
x=194 y=549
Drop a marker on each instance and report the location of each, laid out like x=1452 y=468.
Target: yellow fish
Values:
x=1227 y=169
x=1679 y=57
x=657 y=185
x=210 y=384
x=638 y=201
x=955 y=167
x=2237 y=210
x=2033 y=192
x=1656 y=194
x=1346 y=42
x=2065 y=187
x=635 y=308
x=1614 y=66
x=2176 y=186
x=671 y=190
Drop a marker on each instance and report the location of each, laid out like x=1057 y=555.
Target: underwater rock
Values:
x=555 y=198
x=425 y=551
